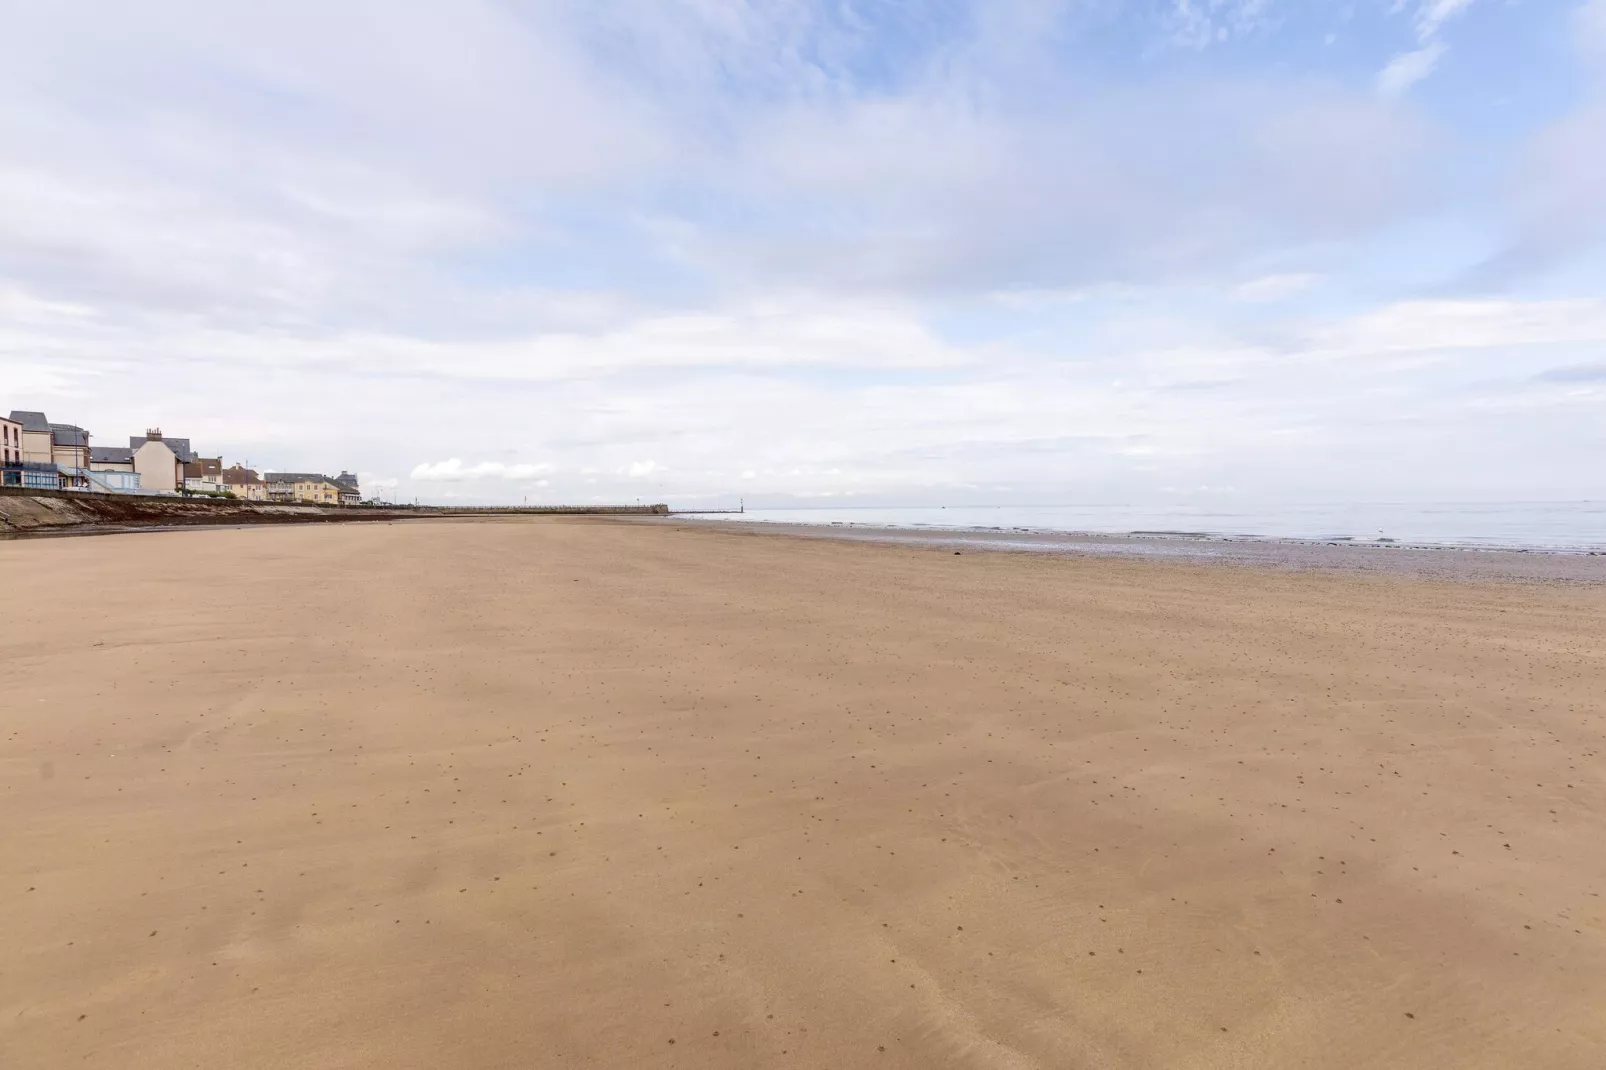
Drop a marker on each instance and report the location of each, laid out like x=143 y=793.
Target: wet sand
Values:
x=580 y=793
x=1387 y=556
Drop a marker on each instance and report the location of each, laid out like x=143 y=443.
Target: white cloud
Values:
x=1114 y=398
x=1556 y=211
x=258 y=169
x=926 y=193
x=1590 y=28
x=1201 y=23
x=18 y=306
x=1273 y=287
x=455 y=471
x=1433 y=14
x=1466 y=324
x=1408 y=68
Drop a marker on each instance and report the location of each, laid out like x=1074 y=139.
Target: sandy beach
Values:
x=569 y=793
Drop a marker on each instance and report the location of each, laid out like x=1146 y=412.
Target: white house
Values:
x=111 y=469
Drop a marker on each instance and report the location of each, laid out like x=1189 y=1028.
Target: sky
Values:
x=820 y=251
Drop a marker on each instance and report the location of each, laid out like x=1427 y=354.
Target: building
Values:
x=111 y=459
x=10 y=441
x=204 y=474
x=112 y=482
x=350 y=492
x=16 y=470
x=38 y=440
x=35 y=450
x=69 y=450
x=302 y=487
x=111 y=469
x=242 y=482
x=160 y=461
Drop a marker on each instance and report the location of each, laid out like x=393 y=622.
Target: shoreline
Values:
x=1551 y=526
x=1423 y=560
x=1390 y=557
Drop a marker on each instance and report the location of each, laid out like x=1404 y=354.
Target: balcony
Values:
x=33 y=475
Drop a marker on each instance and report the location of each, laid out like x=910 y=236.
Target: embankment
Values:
x=34 y=512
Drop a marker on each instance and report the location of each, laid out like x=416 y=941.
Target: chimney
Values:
x=154 y=433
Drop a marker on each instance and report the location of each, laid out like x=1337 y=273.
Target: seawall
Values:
x=25 y=512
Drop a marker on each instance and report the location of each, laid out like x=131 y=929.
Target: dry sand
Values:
x=560 y=793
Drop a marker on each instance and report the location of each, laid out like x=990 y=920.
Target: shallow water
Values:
x=1577 y=527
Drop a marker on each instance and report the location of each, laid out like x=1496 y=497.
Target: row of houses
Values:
x=40 y=455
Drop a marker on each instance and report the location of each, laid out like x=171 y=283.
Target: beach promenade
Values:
x=543 y=792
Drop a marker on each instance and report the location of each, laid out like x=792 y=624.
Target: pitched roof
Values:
x=345 y=480
x=110 y=454
x=179 y=446
x=68 y=435
x=238 y=476
x=30 y=421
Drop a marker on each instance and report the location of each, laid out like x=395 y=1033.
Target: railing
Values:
x=125 y=483
x=73 y=477
x=36 y=475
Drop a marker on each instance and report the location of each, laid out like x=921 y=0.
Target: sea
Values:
x=1556 y=527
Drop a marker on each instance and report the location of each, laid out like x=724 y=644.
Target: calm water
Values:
x=1556 y=526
